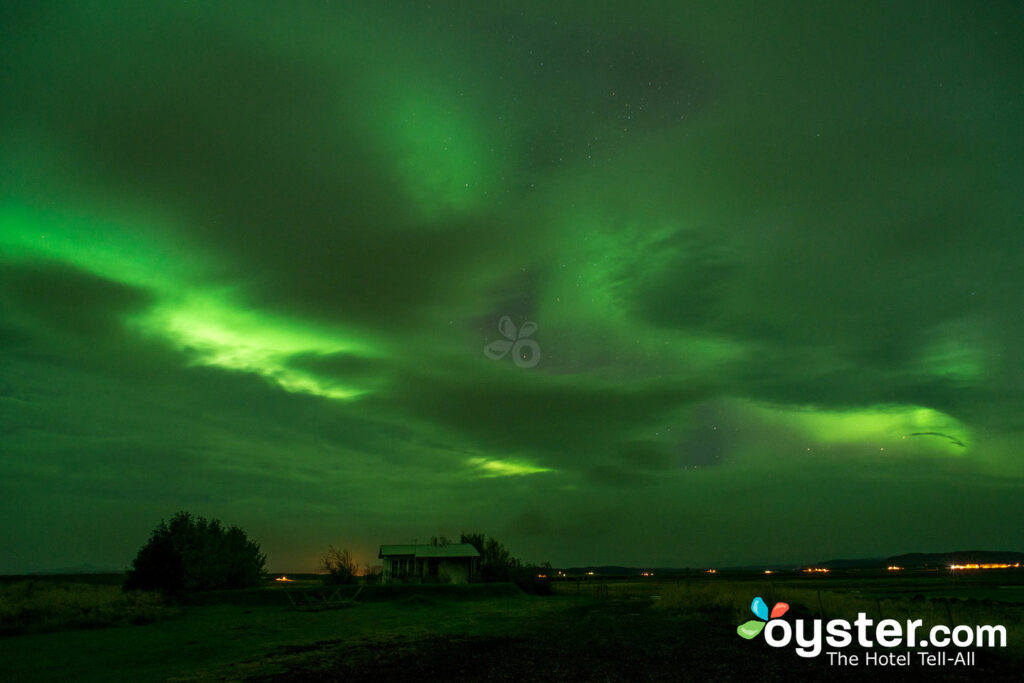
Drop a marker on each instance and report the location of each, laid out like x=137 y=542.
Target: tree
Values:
x=340 y=567
x=496 y=562
x=193 y=553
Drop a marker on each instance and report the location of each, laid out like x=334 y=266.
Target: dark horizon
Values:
x=271 y=569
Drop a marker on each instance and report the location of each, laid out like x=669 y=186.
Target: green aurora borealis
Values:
x=251 y=254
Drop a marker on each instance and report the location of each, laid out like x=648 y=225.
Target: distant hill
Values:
x=956 y=557
x=908 y=561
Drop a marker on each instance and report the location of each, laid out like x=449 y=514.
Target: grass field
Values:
x=592 y=630
x=40 y=605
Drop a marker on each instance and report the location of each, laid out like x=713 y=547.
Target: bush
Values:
x=192 y=553
x=340 y=567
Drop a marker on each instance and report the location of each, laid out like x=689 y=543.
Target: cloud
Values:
x=250 y=259
x=503 y=468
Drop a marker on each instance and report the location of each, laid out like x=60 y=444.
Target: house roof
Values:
x=450 y=550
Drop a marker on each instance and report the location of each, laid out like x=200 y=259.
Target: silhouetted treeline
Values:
x=193 y=553
x=498 y=564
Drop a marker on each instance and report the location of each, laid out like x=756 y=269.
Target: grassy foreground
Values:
x=37 y=606
x=607 y=631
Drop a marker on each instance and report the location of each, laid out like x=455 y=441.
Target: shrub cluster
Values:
x=193 y=553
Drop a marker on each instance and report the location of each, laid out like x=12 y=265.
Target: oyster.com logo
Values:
x=752 y=628
x=525 y=351
x=812 y=637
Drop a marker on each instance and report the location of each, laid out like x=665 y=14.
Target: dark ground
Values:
x=666 y=630
x=609 y=641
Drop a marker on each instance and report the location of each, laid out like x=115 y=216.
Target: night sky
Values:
x=251 y=256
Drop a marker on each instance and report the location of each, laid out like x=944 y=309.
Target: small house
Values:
x=454 y=562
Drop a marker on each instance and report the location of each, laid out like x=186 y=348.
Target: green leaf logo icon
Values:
x=750 y=629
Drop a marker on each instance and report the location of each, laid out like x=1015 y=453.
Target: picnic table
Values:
x=320 y=598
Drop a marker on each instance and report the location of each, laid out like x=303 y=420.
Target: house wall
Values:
x=457 y=569
x=391 y=565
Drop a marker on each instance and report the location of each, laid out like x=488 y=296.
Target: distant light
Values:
x=894 y=568
x=543 y=576
x=710 y=571
x=982 y=566
x=816 y=570
x=768 y=571
x=590 y=573
x=283 y=578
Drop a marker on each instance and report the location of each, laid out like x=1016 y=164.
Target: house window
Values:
x=402 y=568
